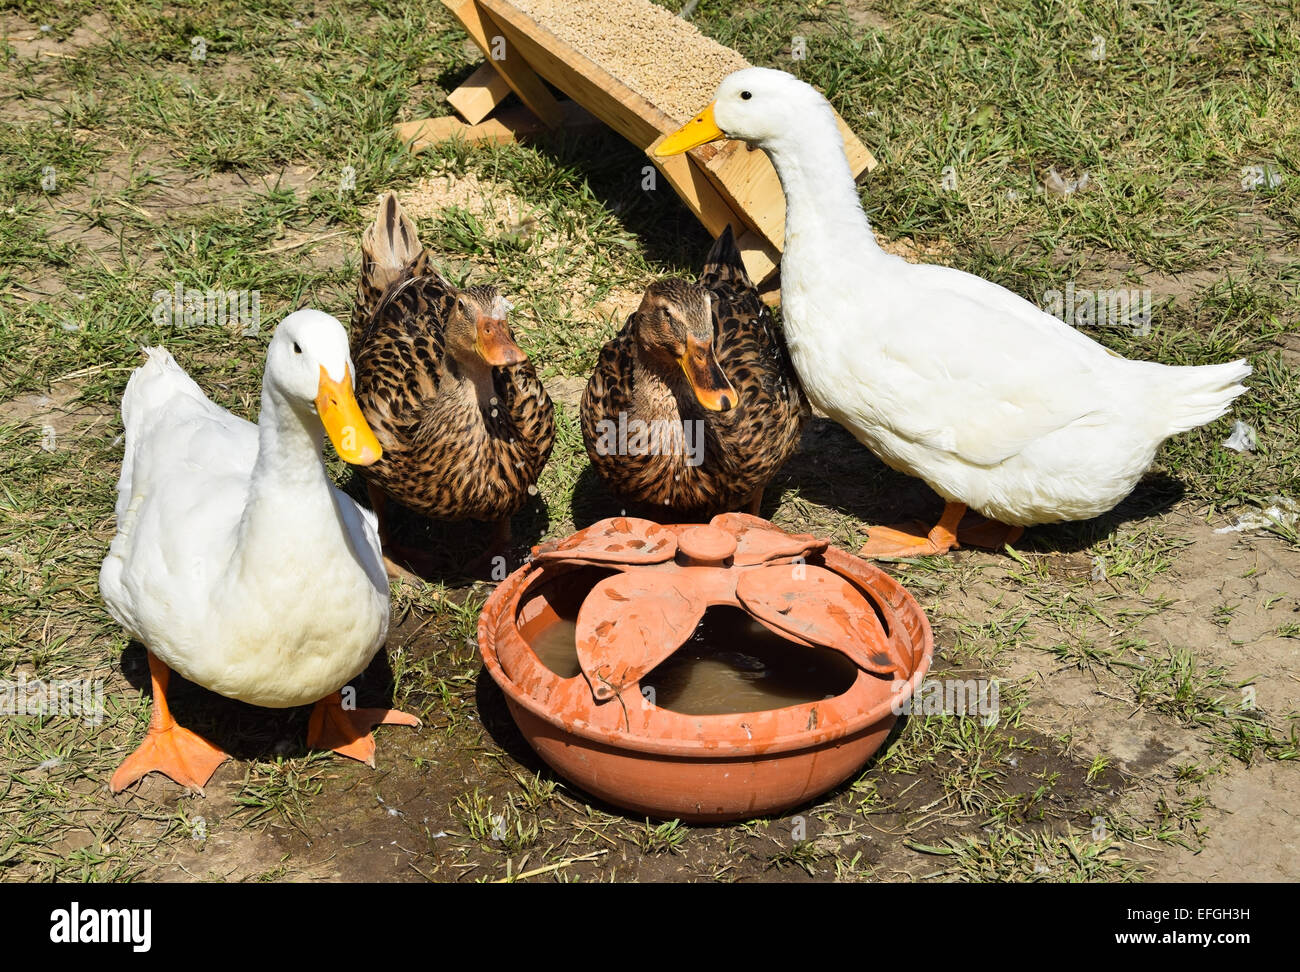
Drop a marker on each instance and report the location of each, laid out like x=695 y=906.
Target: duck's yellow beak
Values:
x=707 y=379
x=343 y=421
x=700 y=129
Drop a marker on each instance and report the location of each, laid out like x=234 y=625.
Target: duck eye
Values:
x=746 y=95
x=296 y=349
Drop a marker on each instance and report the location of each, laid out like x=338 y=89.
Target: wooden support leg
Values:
x=689 y=179
x=502 y=56
x=479 y=94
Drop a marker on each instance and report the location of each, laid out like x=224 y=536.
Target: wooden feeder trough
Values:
x=721 y=182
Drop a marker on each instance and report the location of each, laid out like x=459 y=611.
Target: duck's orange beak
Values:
x=707 y=380
x=344 y=424
x=700 y=129
x=494 y=344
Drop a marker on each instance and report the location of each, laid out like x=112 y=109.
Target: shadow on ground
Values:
x=250 y=732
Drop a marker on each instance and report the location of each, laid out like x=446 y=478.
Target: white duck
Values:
x=996 y=404
x=236 y=561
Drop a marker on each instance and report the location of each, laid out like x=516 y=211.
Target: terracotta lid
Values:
x=706 y=546
x=822 y=607
x=633 y=621
x=620 y=540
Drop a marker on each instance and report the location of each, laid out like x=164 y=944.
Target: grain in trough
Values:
x=640 y=70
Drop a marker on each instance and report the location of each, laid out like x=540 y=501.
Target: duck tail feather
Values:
x=390 y=243
x=153 y=389
x=1198 y=394
x=390 y=247
x=151 y=384
x=724 y=262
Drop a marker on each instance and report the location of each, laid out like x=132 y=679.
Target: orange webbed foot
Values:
x=347 y=731
x=174 y=751
x=979 y=531
x=886 y=542
x=167 y=748
x=912 y=540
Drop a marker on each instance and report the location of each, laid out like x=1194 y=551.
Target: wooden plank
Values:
x=695 y=189
x=613 y=102
x=479 y=94
x=761 y=259
x=685 y=175
x=748 y=182
x=426 y=131
x=510 y=124
x=860 y=158
x=513 y=67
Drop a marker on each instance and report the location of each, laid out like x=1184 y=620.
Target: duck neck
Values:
x=827 y=235
x=473 y=377
x=290 y=496
x=659 y=388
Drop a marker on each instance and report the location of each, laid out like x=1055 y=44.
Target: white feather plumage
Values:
x=236 y=561
x=944 y=375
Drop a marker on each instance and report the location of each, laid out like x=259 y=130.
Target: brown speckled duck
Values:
x=694 y=405
x=464 y=422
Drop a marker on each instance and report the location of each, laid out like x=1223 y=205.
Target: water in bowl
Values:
x=731 y=663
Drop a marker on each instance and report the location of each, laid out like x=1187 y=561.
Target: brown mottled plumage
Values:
x=465 y=425
x=750 y=429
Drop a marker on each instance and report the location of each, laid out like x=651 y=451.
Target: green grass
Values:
x=1009 y=856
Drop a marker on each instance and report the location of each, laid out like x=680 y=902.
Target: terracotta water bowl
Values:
x=638 y=591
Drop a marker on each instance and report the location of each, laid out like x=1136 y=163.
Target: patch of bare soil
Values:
x=41 y=40
x=92 y=217
x=1225 y=600
x=172 y=191
x=1253 y=833
x=54 y=415
x=1290 y=344
x=568 y=391
x=566 y=250
x=909 y=249
x=862 y=13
